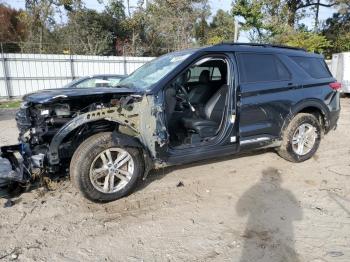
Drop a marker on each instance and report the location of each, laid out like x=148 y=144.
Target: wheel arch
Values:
x=73 y=127
x=311 y=106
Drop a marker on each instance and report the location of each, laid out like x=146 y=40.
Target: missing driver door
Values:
x=200 y=109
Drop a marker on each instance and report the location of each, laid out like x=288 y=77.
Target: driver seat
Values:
x=200 y=94
x=208 y=121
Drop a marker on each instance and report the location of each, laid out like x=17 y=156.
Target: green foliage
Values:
x=162 y=26
x=222 y=28
x=262 y=18
x=342 y=43
x=312 y=42
x=12 y=104
x=168 y=25
x=87 y=33
x=337 y=30
x=201 y=31
x=251 y=11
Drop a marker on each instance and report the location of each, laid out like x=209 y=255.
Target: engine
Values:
x=39 y=123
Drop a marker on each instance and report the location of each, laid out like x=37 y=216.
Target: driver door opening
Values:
x=196 y=102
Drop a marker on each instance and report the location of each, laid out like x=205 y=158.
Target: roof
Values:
x=263 y=48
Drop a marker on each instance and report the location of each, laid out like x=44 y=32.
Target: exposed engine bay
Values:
x=50 y=131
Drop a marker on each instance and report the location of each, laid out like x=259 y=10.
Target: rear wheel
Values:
x=301 y=138
x=104 y=171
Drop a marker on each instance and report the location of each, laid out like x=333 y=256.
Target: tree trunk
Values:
x=316 y=15
x=128 y=3
x=292 y=9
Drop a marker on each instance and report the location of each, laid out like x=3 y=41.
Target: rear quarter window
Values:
x=261 y=68
x=315 y=67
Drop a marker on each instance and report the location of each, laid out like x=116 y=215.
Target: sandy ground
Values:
x=255 y=207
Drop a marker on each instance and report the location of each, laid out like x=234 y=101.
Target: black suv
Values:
x=181 y=107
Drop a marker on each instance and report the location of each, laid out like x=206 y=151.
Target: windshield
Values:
x=153 y=71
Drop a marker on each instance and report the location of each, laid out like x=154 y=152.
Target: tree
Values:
x=12 y=29
x=167 y=25
x=222 y=28
x=267 y=18
x=202 y=26
x=39 y=18
x=311 y=41
x=337 y=30
x=294 y=6
x=262 y=18
x=87 y=32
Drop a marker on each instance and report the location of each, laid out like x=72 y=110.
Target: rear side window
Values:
x=315 y=67
x=261 y=68
x=216 y=74
x=196 y=71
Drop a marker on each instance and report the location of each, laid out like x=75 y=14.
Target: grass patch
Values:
x=12 y=104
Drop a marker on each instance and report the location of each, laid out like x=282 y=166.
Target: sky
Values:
x=215 y=5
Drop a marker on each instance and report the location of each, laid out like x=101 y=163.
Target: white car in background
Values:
x=95 y=81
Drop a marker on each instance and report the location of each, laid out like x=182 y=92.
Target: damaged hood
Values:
x=50 y=95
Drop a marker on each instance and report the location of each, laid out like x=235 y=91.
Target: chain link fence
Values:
x=32 y=67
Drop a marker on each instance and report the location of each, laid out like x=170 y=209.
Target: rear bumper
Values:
x=334 y=112
x=333 y=120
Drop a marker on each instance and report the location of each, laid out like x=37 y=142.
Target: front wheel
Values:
x=104 y=171
x=301 y=138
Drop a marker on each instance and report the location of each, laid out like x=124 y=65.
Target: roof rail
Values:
x=263 y=45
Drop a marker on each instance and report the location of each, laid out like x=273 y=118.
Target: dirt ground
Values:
x=253 y=207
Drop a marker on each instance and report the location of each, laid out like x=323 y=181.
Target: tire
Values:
x=89 y=167
x=291 y=151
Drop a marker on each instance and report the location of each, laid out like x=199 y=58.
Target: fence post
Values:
x=71 y=61
x=5 y=71
x=125 y=62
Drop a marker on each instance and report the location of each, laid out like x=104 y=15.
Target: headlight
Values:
x=62 y=110
x=24 y=105
x=45 y=112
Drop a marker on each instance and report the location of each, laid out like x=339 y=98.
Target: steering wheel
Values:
x=186 y=97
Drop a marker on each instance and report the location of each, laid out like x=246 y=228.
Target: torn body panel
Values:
x=12 y=168
x=43 y=142
x=123 y=116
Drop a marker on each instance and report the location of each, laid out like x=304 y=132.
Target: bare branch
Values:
x=315 y=4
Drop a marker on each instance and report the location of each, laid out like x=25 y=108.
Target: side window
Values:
x=261 y=68
x=113 y=81
x=216 y=74
x=93 y=82
x=315 y=67
x=196 y=72
x=88 y=83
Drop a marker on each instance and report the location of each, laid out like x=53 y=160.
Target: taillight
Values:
x=335 y=86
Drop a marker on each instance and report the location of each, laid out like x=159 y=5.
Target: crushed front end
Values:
x=20 y=164
x=39 y=120
x=51 y=129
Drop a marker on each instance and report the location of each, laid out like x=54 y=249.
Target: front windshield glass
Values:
x=153 y=71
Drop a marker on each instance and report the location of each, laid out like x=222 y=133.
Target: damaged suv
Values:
x=181 y=107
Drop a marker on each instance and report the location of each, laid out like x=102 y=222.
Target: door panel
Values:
x=266 y=84
x=263 y=109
